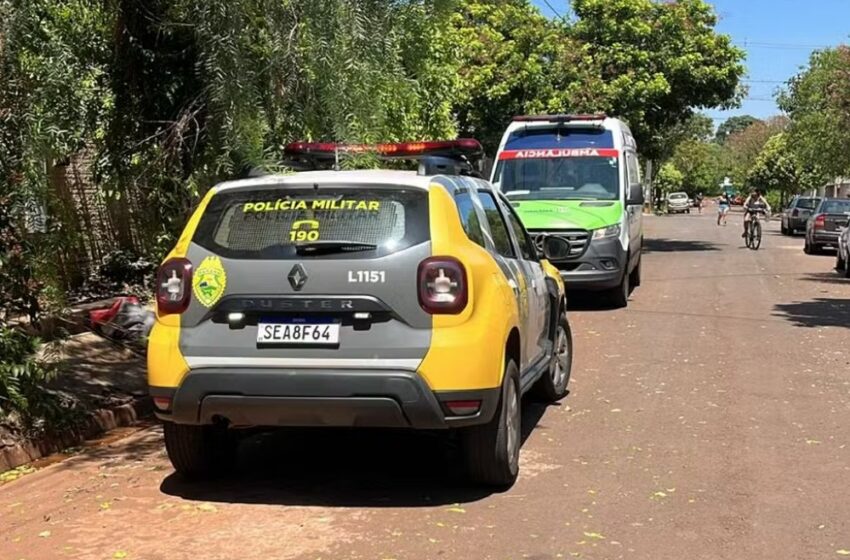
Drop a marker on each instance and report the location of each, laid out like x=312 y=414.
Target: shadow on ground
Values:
x=826 y=278
x=677 y=246
x=345 y=468
x=820 y=312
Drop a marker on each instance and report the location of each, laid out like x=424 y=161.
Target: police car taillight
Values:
x=443 y=286
x=174 y=286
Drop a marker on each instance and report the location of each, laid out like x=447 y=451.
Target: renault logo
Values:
x=297 y=277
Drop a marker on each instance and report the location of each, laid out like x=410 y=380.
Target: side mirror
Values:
x=635 y=197
x=556 y=248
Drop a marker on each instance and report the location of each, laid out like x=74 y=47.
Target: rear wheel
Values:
x=785 y=230
x=552 y=386
x=492 y=450
x=197 y=451
x=839 y=262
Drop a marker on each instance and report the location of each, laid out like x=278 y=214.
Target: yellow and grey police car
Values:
x=375 y=298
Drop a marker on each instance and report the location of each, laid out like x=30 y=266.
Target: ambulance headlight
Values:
x=607 y=232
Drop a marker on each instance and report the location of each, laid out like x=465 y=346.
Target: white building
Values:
x=838 y=189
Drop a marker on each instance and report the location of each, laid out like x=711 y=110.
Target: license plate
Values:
x=298 y=333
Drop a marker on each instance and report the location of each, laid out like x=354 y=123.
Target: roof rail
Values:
x=560 y=118
x=450 y=156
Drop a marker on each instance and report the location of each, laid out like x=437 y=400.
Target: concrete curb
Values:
x=100 y=421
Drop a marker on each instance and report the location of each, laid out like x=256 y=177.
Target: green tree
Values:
x=514 y=61
x=669 y=178
x=733 y=125
x=818 y=102
x=777 y=169
x=702 y=166
x=658 y=61
x=743 y=147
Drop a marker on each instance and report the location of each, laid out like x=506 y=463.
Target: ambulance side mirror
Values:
x=556 y=248
x=635 y=196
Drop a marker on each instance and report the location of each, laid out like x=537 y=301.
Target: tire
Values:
x=636 y=273
x=619 y=296
x=807 y=247
x=491 y=451
x=199 y=451
x=552 y=385
x=839 y=262
x=846 y=268
x=756 y=233
x=784 y=230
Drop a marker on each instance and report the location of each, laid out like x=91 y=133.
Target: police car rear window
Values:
x=279 y=222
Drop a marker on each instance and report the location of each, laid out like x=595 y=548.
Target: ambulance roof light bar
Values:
x=561 y=118
x=462 y=152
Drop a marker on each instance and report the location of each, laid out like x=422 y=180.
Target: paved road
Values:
x=709 y=420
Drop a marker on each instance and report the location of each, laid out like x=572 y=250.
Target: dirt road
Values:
x=709 y=420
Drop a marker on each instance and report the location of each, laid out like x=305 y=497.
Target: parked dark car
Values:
x=826 y=223
x=794 y=217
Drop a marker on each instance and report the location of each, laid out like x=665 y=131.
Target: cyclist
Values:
x=723 y=205
x=754 y=203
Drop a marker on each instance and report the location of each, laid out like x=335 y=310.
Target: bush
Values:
x=23 y=377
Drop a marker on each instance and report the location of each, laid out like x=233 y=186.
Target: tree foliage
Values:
x=818 y=102
x=658 y=61
x=703 y=166
x=734 y=125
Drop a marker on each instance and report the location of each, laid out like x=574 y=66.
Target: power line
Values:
x=551 y=7
x=787 y=46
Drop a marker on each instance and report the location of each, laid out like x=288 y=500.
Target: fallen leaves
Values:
x=456 y=510
x=594 y=536
x=15 y=474
x=44 y=534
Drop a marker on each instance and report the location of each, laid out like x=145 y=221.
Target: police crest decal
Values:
x=209 y=281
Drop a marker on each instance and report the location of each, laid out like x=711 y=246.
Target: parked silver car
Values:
x=678 y=202
x=795 y=216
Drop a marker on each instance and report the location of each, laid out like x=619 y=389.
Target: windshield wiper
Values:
x=333 y=246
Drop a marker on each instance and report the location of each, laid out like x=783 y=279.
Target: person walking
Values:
x=724 y=203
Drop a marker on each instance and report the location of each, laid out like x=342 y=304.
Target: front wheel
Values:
x=635 y=279
x=552 y=385
x=619 y=297
x=755 y=232
x=491 y=451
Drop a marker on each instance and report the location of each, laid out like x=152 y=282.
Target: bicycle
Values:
x=753 y=238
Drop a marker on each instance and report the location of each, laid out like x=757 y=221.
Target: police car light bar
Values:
x=463 y=147
x=560 y=118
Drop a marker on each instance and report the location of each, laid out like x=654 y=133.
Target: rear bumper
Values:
x=796 y=223
x=601 y=267
x=317 y=398
x=826 y=237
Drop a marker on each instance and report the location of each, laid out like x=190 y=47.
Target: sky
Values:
x=778 y=36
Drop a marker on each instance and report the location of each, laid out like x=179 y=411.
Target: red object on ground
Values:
x=100 y=317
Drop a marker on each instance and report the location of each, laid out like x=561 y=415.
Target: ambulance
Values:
x=578 y=177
